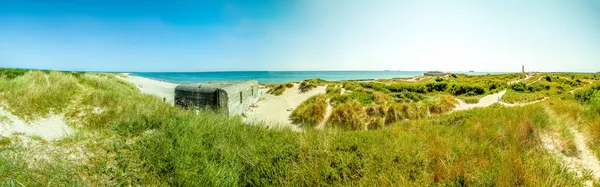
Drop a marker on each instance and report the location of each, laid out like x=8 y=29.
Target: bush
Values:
x=407 y=97
x=548 y=78
x=375 y=86
x=417 y=88
x=586 y=95
x=519 y=87
x=461 y=89
x=350 y=116
x=311 y=112
x=436 y=86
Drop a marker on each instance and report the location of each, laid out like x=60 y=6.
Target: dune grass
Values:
x=36 y=94
x=139 y=140
x=441 y=104
x=311 y=112
x=512 y=96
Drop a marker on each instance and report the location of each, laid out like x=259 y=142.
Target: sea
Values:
x=278 y=77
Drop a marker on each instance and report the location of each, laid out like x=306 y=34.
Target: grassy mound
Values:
x=311 y=112
x=138 y=140
x=350 y=116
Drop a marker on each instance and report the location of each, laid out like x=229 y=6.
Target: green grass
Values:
x=139 y=140
x=512 y=96
x=311 y=112
x=37 y=94
x=441 y=104
x=277 y=89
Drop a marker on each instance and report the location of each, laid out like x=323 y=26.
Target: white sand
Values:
x=275 y=110
x=160 y=89
x=585 y=158
x=50 y=128
x=485 y=101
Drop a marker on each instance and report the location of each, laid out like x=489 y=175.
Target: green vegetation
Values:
x=311 y=112
x=309 y=84
x=139 y=140
x=442 y=104
x=278 y=89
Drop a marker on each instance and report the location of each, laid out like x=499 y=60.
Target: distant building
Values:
x=434 y=74
x=523 y=68
x=230 y=97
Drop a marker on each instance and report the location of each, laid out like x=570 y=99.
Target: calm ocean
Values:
x=280 y=76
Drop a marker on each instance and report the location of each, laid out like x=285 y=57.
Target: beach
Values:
x=272 y=111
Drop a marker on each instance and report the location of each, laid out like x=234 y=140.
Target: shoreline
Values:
x=160 y=89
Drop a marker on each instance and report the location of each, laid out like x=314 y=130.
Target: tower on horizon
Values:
x=523 y=68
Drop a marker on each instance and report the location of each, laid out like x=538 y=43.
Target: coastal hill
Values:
x=97 y=129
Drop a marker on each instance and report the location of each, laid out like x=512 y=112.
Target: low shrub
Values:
x=311 y=112
x=350 y=116
x=522 y=87
x=436 y=86
x=417 y=88
x=407 y=97
x=375 y=86
x=462 y=89
x=585 y=95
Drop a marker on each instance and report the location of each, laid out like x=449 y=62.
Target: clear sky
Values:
x=175 y=35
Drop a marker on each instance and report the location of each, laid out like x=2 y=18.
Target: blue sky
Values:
x=488 y=35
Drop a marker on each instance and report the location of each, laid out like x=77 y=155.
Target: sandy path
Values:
x=489 y=100
x=276 y=110
x=50 y=128
x=574 y=90
x=327 y=115
x=160 y=89
x=584 y=160
x=485 y=101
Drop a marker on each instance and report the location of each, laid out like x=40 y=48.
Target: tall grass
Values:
x=37 y=94
x=142 y=141
x=311 y=112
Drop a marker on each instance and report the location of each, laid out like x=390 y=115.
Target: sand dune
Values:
x=50 y=128
x=160 y=89
x=277 y=109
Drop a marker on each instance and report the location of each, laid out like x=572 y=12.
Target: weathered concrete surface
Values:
x=231 y=97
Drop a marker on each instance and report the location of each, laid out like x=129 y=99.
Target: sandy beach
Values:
x=270 y=109
x=275 y=110
x=160 y=89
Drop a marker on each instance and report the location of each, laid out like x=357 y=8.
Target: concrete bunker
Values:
x=230 y=97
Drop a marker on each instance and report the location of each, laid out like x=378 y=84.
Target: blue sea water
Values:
x=280 y=76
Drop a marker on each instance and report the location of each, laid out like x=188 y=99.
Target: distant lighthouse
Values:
x=523 y=68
